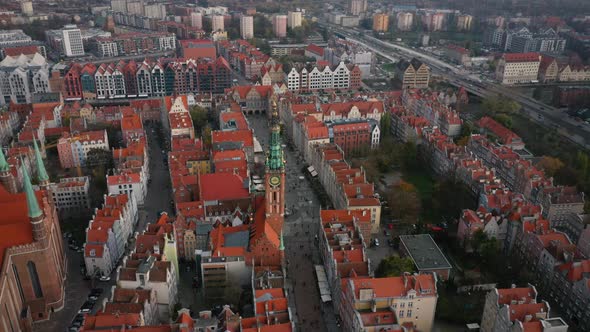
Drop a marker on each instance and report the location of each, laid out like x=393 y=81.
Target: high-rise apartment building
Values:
x=279 y=25
x=72 y=41
x=197 y=20
x=294 y=19
x=464 y=22
x=405 y=21
x=357 y=7
x=247 y=27
x=217 y=23
x=380 y=22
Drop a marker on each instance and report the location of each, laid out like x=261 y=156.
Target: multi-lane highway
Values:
x=545 y=115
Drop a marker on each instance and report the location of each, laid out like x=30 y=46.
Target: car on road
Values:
x=104 y=278
x=376 y=242
x=85 y=309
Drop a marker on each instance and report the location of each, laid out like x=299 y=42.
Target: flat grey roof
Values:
x=424 y=252
x=237 y=239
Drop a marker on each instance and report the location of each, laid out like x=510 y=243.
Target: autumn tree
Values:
x=404 y=202
x=550 y=165
x=394 y=266
x=200 y=117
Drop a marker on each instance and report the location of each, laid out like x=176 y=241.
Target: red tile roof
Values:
x=315 y=49
x=98 y=250
x=507 y=136
x=507 y=295
x=521 y=57
x=222 y=186
x=131 y=122
x=15 y=227
x=123 y=178
x=244 y=136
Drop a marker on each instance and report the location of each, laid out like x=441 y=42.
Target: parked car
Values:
x=376 y=242
x=104 y=278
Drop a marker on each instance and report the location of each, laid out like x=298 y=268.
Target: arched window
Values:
x=35 y=279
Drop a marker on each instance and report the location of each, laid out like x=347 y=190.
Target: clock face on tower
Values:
x=274 y=181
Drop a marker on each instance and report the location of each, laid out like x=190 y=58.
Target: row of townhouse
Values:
x=250 y=62
x=131 y=172
x=21 y=77
x=353 y=126
x=133 y=43
x=424 y=103
x=347 y=187
x=517 y=309
x=209 y=184
x=363 y=302
x=322 y=76
x=146 y=79
x=515 y=202
x=108 y=232
x=147 y=278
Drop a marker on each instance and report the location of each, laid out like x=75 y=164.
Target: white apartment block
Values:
x=72 y=41
x=316 y=78
x=128 y=183
x=294 y=19
x=71 y=194
x=197 y=20
x=151 y=274
x=247 y=27
x=97 y=259
x=514 y=68
x=217 y=23
x=84 y=143
x=14 y=37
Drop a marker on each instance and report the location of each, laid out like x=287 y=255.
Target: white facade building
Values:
x=247 y=27
x=72 y=41
x=294 y=19
x=197 y=20
x=217 y=23
x=405 y=21
x=71 y=193
x=314 y=78
x=514 y=68
x=131 y=184
x=21 y=77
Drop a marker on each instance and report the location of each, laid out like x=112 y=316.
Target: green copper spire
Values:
x=281 y=243
x=3 y=164
x=41 y=172
x=275 y=159
x=32 y=204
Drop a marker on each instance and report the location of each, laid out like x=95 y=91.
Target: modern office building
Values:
x=72 y=41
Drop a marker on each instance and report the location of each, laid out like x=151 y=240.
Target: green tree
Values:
x=385 y=124
x=394 y=266
x=500 y=104
x=504 y=119
x=404 y=202
x=200 y=117
x=207 y=135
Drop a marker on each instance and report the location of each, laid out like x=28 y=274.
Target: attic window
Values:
x=92 y=253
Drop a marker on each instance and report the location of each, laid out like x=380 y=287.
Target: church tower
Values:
x=34 y=212
x=6 y=178
x=42 y=175
x=275 y=176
